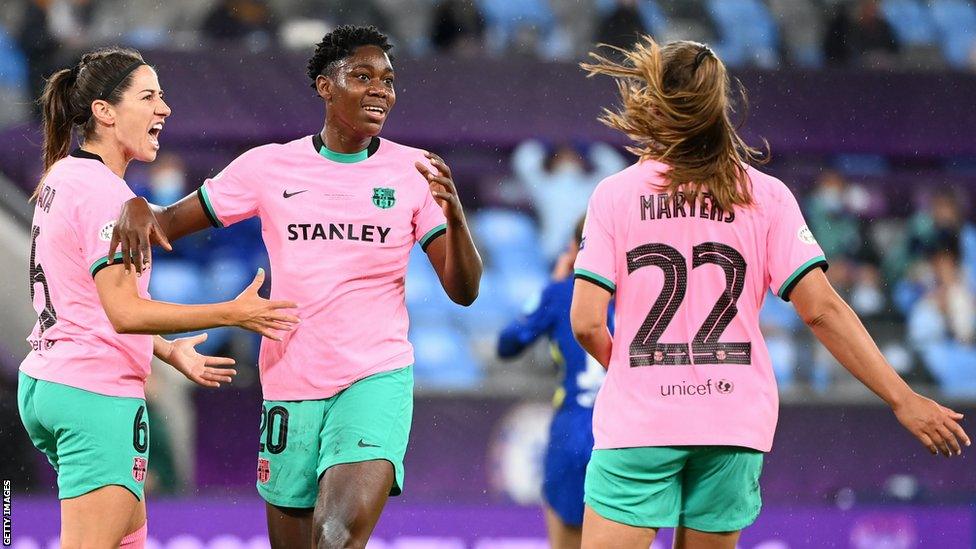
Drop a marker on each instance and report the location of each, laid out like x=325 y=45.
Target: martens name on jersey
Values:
x=338 y=231
x=666 y=206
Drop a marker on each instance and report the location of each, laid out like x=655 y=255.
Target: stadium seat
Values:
x=492 y=310
x=911 y=22
x=442 y=357
x=748 y=32
x=504 y=18
x=956 y=21
x=510 y=239
x=13 y=65
x=13 y=80
x=425 y=298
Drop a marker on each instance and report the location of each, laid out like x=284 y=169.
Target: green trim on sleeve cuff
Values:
x=787 y=287
x=102 y=263
x=208 y=207
x=606 y=283
x=431 y=235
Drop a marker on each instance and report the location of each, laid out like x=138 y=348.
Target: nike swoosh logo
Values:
x=364 y=444
x=286 y=194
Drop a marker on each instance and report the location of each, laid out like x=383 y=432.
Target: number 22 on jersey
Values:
x=646 y=348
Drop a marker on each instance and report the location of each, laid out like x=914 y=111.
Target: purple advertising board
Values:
x=239 y=523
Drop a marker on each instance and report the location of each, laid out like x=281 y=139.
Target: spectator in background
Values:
x=941 y=221
x=834 y=214
x=572 y=34
x=458 y=27
x=167 y=179
x=833 y=211
x=48 y=28
x=250 y=21
x=944 y=222
x=354 y=12
x=560 y=185
x=622 y=27
x=942 y=324
x=858 y=36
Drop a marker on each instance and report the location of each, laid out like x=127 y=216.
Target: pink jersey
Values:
x=338 y=236
x=689 y=364
x=73 y=342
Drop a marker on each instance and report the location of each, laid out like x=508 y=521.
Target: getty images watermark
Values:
x=6 y=514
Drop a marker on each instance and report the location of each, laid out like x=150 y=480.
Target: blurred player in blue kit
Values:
x=571 y=432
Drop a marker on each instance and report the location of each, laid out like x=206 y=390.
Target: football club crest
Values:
x=139 y=468
x=264 y=470
x=383 y=197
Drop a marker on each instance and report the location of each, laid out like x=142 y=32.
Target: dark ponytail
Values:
x=66 y=101
x=57 y=115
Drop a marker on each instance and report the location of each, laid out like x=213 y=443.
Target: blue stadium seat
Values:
x=911 y=22
x=425 y=298
x=491 y=311
x=956 y=21
x=504 y=18
x=13 y=65
x=748 y=32
x=520 y=286
x=509 y=238
x=443 y=357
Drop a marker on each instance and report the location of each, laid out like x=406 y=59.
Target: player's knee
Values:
x=336 y=535
x=333 y=531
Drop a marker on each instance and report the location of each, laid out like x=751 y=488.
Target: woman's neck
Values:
x=111 y=154
x=335 y=141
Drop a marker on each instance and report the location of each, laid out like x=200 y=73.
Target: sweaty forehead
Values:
x=366 y=56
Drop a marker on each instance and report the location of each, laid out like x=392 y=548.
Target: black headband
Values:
x=704 y=52
x=110 y=87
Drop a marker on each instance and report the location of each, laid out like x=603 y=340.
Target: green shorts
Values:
x=705 y=488
x=92 y=440
x=300 y=439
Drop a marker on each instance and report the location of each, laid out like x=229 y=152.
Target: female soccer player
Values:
x=571 y=431
x=689 y=238
x=340 y=211
x=81 y=388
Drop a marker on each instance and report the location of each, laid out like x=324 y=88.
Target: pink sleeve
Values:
x=791 y=249
x=595 y=262
x=94 y=219
x=428 y=221
x=229 y=196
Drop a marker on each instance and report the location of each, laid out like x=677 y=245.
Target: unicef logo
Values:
x=724 y=386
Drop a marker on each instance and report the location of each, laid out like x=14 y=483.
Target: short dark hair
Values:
x=341 y=43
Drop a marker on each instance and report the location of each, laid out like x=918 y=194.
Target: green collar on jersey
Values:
x=345 y=158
